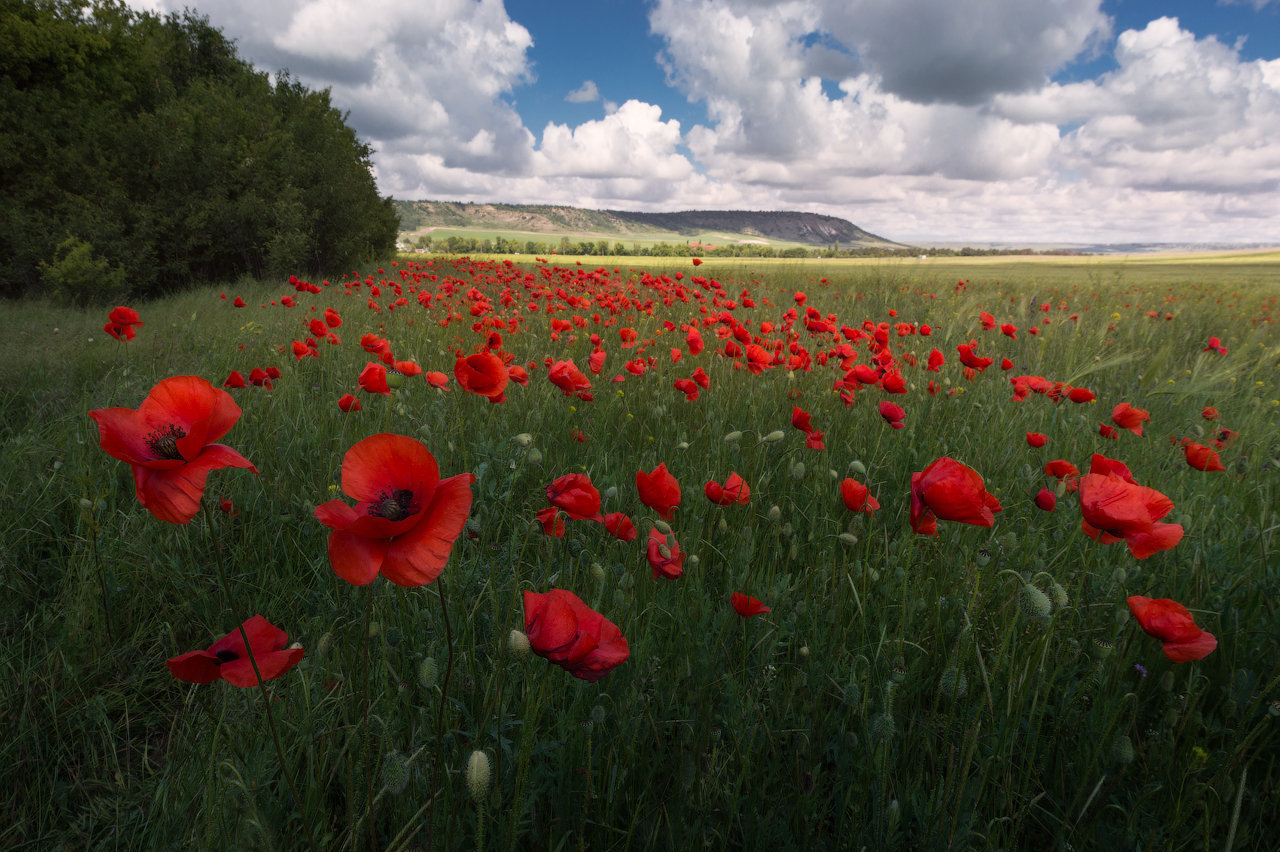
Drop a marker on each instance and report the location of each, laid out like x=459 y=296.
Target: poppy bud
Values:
x=479 y=772
x=395 y=773
x=1033 y=602
x=722 y=526
x=797 y=470
x=787 y=530
x=597 y=571
x=848 y=538
x=534 y=456
x=1166 y=680
x=428 y=671
x=804 y=650
x=982 y=558
x=733 y=437
x=1120 y=576
x=1122 y=750
x=857 y=467
x=662 y=526
x=1058 y=596
x=775 y=514
x=664 y=551
x=518 y=644
x=953 y=683
x=524 y=439
x=375 y=629
x=610 y=492
x=325 y=643
x=773 y=437
x=882 y=728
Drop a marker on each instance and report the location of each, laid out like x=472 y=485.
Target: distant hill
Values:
x=812 y=229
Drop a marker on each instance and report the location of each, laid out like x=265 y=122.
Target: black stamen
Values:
x=164 y=442
x=394 y=505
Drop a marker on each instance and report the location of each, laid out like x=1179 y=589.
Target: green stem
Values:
x=444 y=692
x=368 y=744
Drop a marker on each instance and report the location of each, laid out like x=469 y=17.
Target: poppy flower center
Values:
x=226 y=656
x=394 y=505
x=163 y=443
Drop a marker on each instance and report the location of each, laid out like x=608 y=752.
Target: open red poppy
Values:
x=575 y=494
x=1115 y=508
x=572 y=635
x=950 y=491
x=734 y=490
x=228 y=659
x=747 y=606
x=658 y=490
x=1171 y=623
x=168 y=441
x=406 y=518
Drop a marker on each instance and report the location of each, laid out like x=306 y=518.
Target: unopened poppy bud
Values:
x=733 y=437
x=774 y=515
x=1122 y=750
x=534 y=456
x=662 y=526
x=797 y=470
x=479 y=772
x=1166 y=680
x=518 y=644
x=610 y=492
x=1058 y=596
x=664 y=551
x=982 y=558
x=848 y=538
x=1033 y=602
x=1120 y=576
x=375 y=629
x=722 y=526
x=85 y=503
x=683 y=445
x=693 y=559
x=524 y=439
x=832 y=474
x=857 y=467
x=395 y=378
x=395 y=773
x=428 y=671
x=773 y=437
x=325 y=643
x=786 y=529
x=597 y=715
x=953 y=683
x=295 y=646
x=597 y=571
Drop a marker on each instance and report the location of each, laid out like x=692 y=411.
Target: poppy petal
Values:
x=355 y=559
x=387 y=463
x=418 y=556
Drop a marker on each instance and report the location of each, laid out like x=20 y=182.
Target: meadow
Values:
x=905 y=624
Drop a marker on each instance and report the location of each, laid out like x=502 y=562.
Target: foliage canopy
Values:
x=150 y=147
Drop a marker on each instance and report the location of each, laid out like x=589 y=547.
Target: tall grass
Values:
x=896 y=696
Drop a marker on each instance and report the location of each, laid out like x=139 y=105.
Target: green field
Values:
x=984 y=687
x=552 y=238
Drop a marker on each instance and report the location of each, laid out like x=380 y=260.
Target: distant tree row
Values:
x=456 y=244
x=140 y=154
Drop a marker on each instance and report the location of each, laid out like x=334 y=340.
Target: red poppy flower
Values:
x=800 y=419
x=373 y=379
x=697 y=261
x=1081 y=395
x=406 y=517
x=694 y=341
x=595 y=361
x=123 y=333
x=658 y=490
x=950 y=491
x=234 y=380
x=857 y=497
x=1116 y=508
x=892 y=413
x=971 y=359
x=987 y=320
x=1215 y=345
x=1171 y=623
x=437 y=380
x=239 y=303
x=1108 y=431
x=168 y=443
x=260 y=378
x=813 y=440
x=936 y=360
x=1126 y=416
x=332 y=318
x=688 y=387
x=566 y=376
x=664 y=555
x=747 y=606
x=575 y=494
x=1063 y=471
x=482 y=373
x=1202 y=458
x=733 y=491
x=1046 y=500
x=1209 y=413
x=570 y=634
x=349 y=403
x=228 y=658
x=620 y=526
x=1036 y=440
x=552 y=523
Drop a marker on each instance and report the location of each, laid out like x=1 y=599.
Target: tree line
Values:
x=140 y=155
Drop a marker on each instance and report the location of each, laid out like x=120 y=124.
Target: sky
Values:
x=1055 y=121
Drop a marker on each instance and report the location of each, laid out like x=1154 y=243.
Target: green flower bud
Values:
x=1033 y=602
x=848 y=538
x=518 y=644
x=478 y=774
x=1166 y=680
x=324 y=644
x=797 y=470
x=534 y=455
x=773 y=437
x=1122 y=750
x=610 y=493
x=1058 y=596
x=597 y=571
x=953 y=683
x=775 y=514
x=428 y=672
x=857 y=467
x=662 y=526
x=524 y=439
x=733 y=437
x=395 y=773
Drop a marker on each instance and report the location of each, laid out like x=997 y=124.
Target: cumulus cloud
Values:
x=584 y=94
x=918 y=119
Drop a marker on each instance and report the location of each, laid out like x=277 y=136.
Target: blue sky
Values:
x=920 y=120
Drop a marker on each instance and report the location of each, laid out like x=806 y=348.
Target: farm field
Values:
x=957 y=553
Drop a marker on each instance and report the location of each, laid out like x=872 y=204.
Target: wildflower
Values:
x=406 y=517
x=857 y=497
x=950 y=491
x=168 y=442
x=1171 y=623
x=575 y=494
x=228 y=658
x=484 y=374
x=664 y=555
x=733 y=491
x=1116 y=508
x=747 y=606
x=1202 y=458
x=659 y=490
x=564 y=630
x=1126 y=416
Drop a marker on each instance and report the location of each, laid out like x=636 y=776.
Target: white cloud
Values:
x=918 y=119
x=584 y=94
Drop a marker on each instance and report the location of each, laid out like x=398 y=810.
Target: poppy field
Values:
x=466 y=553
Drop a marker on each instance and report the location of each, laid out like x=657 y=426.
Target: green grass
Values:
x=894 y=698
x=552 y=238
